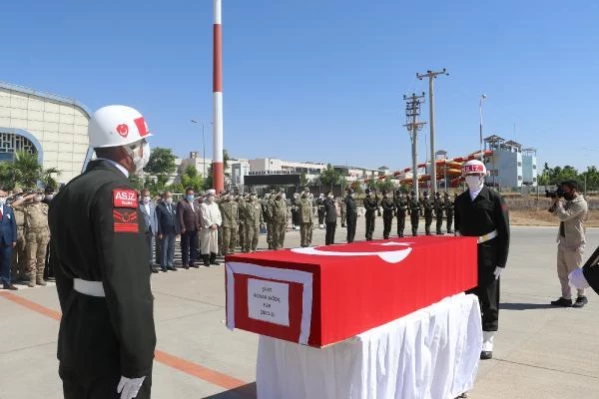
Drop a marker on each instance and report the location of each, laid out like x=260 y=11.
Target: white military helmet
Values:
x=474 y=167
x=116 y=126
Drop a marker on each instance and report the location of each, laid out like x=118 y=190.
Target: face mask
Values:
x=330 y=196
x=38 y=198
x=474 y=182
x=169 y=200
x=209 y=199
x=49 y=197
x=140 y=161
x=2 y=200
x=146 y=200
x=19 y=197
x=283 y=196
x=353 y=195
x=189 y=198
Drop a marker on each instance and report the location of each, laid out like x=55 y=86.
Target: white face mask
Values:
x=474 y=182
x=169 y=200
x=2 y=201
x=38 y=198
x=146 y=200
x=140 y=161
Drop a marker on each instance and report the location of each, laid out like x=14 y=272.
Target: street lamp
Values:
x=203 y=147
x=483 y=97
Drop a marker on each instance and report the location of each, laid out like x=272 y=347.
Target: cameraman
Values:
x=571 y=238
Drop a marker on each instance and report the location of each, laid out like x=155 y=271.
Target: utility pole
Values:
x=431 y=104
x=412 y=113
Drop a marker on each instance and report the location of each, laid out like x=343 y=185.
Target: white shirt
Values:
x=147 y=206
x=116 y=165
x=474 y=194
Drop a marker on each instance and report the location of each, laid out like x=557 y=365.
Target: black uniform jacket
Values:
x=351 y=208
x=98 y=235
x=488 y=212
x=330 y=211
x=388 y=207
x=371 y=205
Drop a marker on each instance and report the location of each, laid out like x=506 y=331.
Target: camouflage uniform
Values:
x=428 y=206
x=414 y=209
x=279 y=212
x=19 y=254
x=229 y=210
x=306 y=222
x=37 y=234
x=253 y=219
x=241 y=203
x=439 y=208
x=270 y=221
x=342 y=207
x=449 y=213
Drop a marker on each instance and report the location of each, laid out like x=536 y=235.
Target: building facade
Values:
x=53 y=127
x=509 y=165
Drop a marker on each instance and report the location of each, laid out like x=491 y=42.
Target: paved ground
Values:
x=540 y=352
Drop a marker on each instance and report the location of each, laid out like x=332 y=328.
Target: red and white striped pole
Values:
x=218 y=175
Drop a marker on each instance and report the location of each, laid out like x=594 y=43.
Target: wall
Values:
x=529 y=169
x=508 y=170
x=60 y=127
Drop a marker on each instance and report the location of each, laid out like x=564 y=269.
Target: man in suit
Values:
x=48 y=272
x=8 y=240
x=168 y=230
x=330 y=212
x=148 y=210
x=188 y=213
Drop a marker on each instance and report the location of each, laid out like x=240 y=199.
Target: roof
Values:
x=513 y=143
x=494 y=139
x=46 y=96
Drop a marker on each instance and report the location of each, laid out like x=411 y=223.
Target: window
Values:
x=534 y=167
x=519 y=164
x=519 y=177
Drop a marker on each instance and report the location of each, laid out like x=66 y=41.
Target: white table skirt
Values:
x=430 y=354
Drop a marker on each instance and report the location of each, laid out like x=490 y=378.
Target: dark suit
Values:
x=189 y=223
x=48 y=272
x=8 y=237
x=151 y=222
x=168 y=228
x=99 y=237
x=330 y=212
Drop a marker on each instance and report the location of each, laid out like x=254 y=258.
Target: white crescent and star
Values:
x=387 y=256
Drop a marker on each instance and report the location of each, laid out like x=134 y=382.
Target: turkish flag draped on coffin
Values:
x=318 y=296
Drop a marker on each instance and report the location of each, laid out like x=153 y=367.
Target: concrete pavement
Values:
x=541 y=352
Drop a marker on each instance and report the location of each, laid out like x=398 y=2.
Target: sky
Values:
x=323 y=80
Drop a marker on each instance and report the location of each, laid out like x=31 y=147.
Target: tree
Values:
x=191 y=178
x=26 y=169
x=329 y=177
x=48 y=179
x=385 y=185
x=136 y=181
x=162 y=162
x=303 y=180
x=226 y=159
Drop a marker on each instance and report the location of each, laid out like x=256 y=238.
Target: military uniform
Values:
x=351 y=216
x=229 y=210
x=270 y=221
x=98 y=242
x=371 y=205
x=342 y=209
x=279 y=206
x=37 y=235
x=253 y=220
x=401 y=207
x=414 y=209
x=439 y=208
x=19 y=254
x=306 y=221
x=320 y=207
x=241 y=220
x=484 y=217
x=428 y=206
x=388 y=211
x=449 y=213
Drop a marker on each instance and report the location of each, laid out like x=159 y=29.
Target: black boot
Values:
x=206 y=259
x=213 y=259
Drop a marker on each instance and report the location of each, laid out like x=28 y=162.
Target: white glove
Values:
x=129 y=387
x=578 y=280
x=498 y=271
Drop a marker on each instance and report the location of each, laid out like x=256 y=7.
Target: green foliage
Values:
x=191 y=178
x=26 y=172
x=303 y=180
x=137 y=182
x=48 y=177
x=162 y=162
x=329 y=177
x=384 y=185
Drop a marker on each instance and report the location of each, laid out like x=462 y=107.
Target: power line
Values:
x=412 y=113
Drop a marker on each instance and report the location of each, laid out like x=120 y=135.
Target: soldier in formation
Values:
x=19 y=255
x=37 y=238
x=449 y=211
x=320 y=208
x=241 y=202
x=342 y=209
x=305 y=213
x=439 y=209
x=279 y=217
x=388 y=211
x=428 y=206
x=253 y=220
x=401 y=206
x=414 y=209
x=330 y=211
x=372 y=207
x=351 y=213
x=229 y=210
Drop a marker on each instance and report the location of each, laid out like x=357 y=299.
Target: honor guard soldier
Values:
x=428 y=206
x=439 y=208
x=401 y=206
x=351 y=213
x=448 y=212
x=482 y=213
x=414 y=209
x=99 y=252
x=371 y=206
x=388 y=210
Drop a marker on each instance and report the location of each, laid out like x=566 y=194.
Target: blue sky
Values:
x=323 y=80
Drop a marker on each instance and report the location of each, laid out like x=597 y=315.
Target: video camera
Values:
x=557 y=193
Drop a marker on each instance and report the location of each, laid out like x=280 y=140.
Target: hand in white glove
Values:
x=498 y=271
x=129 y=387
x=578 y=280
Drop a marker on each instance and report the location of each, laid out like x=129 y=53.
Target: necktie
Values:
x=1 y=214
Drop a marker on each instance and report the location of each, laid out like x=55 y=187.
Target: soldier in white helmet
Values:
x=100 y=256
x=482 y=213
